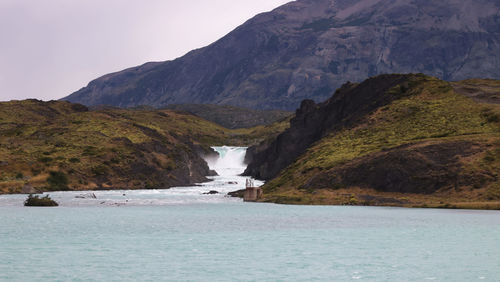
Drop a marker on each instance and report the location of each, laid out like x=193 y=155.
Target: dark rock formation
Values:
x=211 y=192
x=237 y=194
x=313 y=121
x=308 y=48
x=190 y=167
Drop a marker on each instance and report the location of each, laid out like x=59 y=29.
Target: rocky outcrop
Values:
x=307 y=49
x=347 y=107
x=28 y=189
x=189 y=168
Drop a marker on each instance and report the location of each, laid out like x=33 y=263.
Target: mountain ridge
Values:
x=307 y=49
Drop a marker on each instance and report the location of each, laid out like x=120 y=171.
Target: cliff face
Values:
x=392 y=139
x=349 y=105
x=307 y=49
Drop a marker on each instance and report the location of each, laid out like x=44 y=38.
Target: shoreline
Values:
x=303 y=201
x=357 y=196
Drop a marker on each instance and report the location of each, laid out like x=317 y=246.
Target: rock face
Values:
x=28 y=189
x=312 y=122
x=308 y=48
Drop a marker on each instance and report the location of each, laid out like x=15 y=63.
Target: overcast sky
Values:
x=51 y=48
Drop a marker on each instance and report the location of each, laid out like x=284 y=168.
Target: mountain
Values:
x=308 y=48
x=58 y=145
x=232 y=117
x=391 y=140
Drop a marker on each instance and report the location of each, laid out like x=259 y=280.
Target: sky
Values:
x=51 y=48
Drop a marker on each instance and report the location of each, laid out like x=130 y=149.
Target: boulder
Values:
x=28 y=189
x=211 y=192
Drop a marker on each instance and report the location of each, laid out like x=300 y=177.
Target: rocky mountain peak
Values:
x=306 y=49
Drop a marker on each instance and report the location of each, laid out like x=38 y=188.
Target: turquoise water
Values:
x=251 y=242
x=182 y=235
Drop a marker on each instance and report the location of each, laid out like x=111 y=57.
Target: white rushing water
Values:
x=230 y=162
x=229 y=165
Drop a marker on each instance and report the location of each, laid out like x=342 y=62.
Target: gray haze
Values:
x=51 y=48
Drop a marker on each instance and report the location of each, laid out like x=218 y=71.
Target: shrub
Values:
x=74 y=160
x=100 y=170
x=45 y=159
x=89 y=151
x=35 y=171
x=36 y=201
x=353 y=201
x=58 y=181
x=490 y=116
x=19 y=175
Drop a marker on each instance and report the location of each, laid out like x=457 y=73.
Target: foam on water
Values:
x=230 y=162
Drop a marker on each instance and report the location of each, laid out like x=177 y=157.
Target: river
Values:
x=182 y=234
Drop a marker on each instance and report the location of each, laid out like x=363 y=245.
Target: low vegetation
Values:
x=429 y=117
x=54 y=146
x=233 y=117
x=37 y=201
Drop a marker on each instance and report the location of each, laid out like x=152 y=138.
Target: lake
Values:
x=180 y=234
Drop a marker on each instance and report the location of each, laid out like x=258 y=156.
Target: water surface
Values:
x=181 y=234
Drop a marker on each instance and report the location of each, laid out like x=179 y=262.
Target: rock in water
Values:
x=211 y=192
x=237 y=194
x=37 y=201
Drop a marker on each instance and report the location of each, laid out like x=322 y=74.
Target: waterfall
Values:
x=230 y=160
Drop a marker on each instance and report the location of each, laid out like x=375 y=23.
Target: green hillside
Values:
x=232 y=117
x=430 y=146
x=59 y=145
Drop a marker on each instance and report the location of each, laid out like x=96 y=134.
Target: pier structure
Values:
x=252 y=193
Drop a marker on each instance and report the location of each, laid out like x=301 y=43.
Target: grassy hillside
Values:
x=59 y=145
x=432 y=146
x=232 y=117
x=481 y=90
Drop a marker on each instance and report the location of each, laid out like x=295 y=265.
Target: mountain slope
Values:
x=232 y=117
x=308 y=48
x=418 y=142
x=59 y=145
